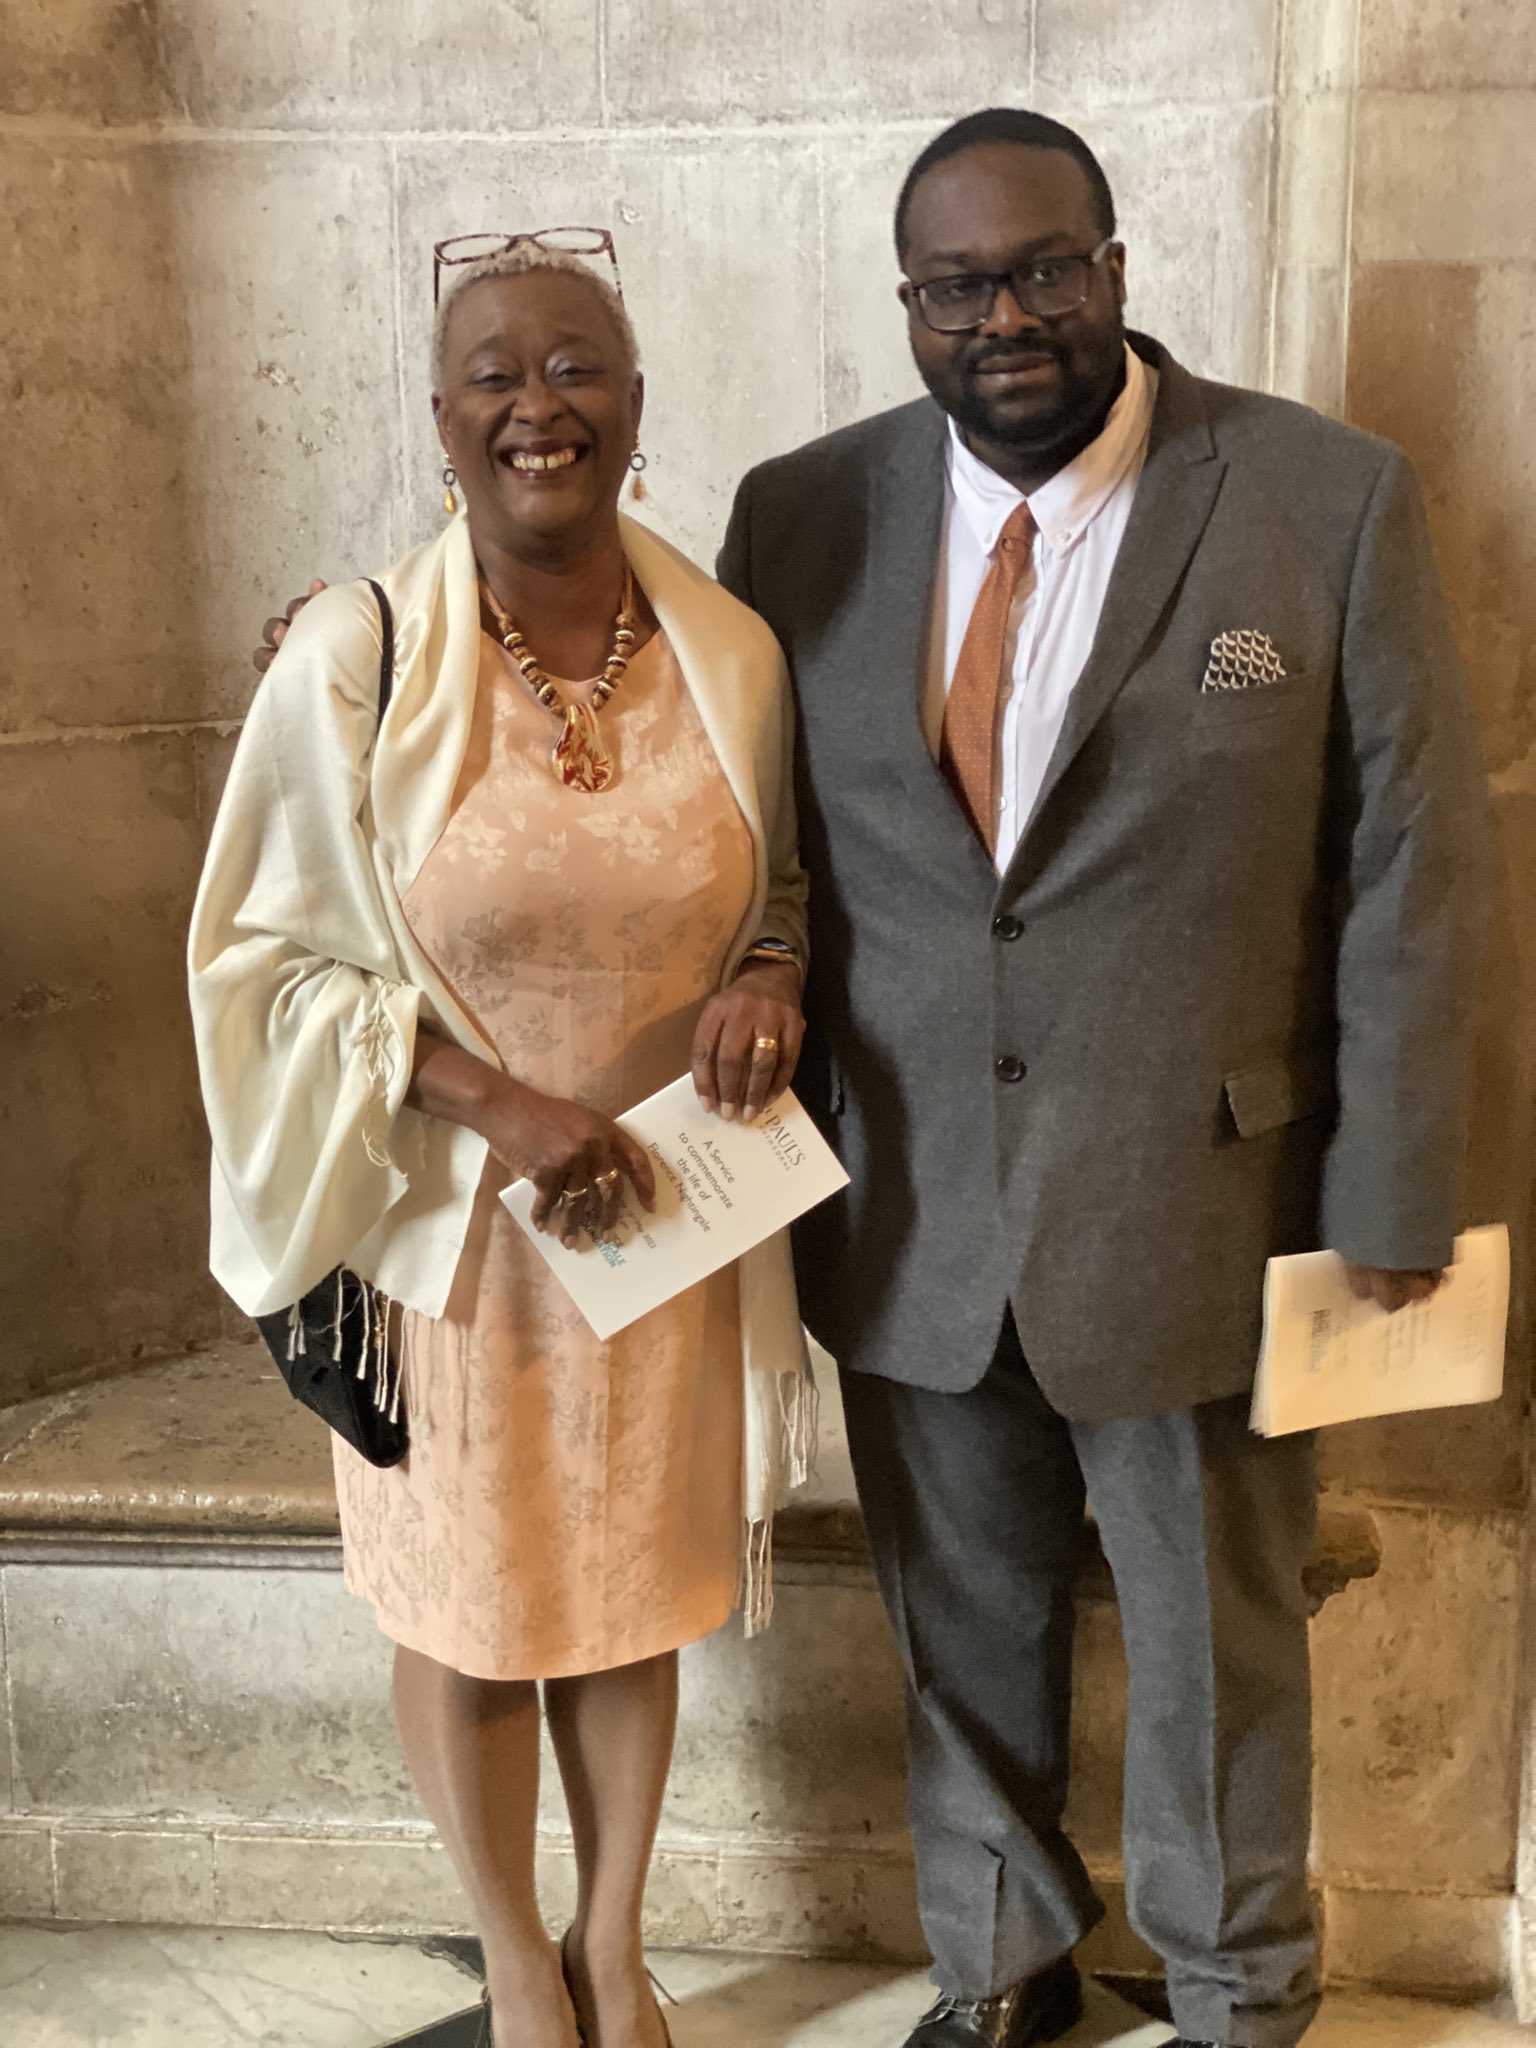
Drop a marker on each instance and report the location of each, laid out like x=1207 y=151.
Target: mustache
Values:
x=994 y=354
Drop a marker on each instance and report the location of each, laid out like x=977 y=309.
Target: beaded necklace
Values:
x=580 y=758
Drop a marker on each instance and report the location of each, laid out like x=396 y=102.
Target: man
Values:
x=1144 y=822
x=1145 y=825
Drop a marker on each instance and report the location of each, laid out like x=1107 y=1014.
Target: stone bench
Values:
x=200 y=1726
x=210 y=1449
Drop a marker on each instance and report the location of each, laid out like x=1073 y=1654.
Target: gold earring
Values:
x=637 y=488
x=450 y=478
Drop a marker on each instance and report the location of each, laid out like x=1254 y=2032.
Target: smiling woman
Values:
x=441 y=949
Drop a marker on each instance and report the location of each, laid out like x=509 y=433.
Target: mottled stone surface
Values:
x=209 y=1694
x=99 y=1131
x=134 y=1875
x=354 y=64
x=213 y=1443
x=26 y=1873
x=1212 y=50
x=822 y=1904
x=375 y=1883
x=202 y=338
x=148 y=1987
x=799 y=1731
x=201 y=1989
x=1416 y=1698
x=1449 y=1944
x=746 y=61
x=1454 y=47
x=1464 y=405
x=1469 y=208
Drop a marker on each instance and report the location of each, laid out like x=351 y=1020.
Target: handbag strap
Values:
x=387 y=649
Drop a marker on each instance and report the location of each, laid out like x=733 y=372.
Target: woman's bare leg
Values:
x=473 y=1749
x=613 y=1735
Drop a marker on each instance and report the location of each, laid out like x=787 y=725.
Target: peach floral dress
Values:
x=568 y=1505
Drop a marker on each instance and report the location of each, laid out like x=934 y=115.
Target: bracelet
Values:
x=777 y=951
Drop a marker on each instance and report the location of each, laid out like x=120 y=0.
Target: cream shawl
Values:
x=307 y=984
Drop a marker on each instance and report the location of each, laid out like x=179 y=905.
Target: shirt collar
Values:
x=1066 y=505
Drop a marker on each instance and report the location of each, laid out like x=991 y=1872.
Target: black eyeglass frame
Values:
x=599 y=244
x=1017 y=281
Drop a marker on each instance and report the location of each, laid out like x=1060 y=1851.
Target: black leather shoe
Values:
x=1041 y=2008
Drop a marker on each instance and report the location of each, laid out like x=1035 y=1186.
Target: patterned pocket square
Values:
x=1243 y=660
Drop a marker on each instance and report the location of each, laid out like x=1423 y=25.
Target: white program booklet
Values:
x=1330 y=1358
x=720 y=1189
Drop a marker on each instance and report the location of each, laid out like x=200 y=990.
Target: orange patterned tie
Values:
x=968 y=753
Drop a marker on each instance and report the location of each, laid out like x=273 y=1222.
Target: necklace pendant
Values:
x=581 y=760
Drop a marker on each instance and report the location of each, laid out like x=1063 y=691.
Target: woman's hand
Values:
x=275 y=631
x=747 y=1044
x=577 y=1159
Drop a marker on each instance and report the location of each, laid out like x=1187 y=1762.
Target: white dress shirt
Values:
x=1080 y=517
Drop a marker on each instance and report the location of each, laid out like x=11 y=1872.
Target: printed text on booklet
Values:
x=720 y=1189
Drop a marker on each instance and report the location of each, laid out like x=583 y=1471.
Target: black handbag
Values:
x=333 y=1346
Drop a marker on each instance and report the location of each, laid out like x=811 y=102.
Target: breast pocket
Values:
x=1224 y=711
x=1259 y=721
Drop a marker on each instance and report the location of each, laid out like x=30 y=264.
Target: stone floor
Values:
x=128 y=1987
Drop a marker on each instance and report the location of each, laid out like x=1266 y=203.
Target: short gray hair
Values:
x=516 y=263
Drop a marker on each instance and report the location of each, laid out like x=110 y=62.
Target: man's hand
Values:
x=1389 y=1288
x=748 y=1041
x=275 y=631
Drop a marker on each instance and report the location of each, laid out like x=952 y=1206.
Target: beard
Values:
x=1064 y=417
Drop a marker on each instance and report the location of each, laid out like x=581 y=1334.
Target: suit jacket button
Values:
x=1009 y=1068
x=1007 y=928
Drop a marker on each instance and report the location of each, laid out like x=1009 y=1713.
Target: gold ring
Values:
x=765 y=1045
x=574 y=1194
x=610 y=1179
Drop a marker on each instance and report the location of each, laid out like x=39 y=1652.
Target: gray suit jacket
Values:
x=1219 y=1006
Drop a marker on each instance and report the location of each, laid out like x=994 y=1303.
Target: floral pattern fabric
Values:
x=568 y=1505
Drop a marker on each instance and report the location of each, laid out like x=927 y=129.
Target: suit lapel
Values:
x=1174 y=499
x=905 y=532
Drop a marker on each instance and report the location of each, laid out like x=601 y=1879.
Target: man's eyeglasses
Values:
x=587 y=242
x=1045 y=288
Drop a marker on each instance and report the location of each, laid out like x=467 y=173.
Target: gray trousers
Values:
x=975 y=1508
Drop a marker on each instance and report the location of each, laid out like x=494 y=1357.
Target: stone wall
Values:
x=213 y=308
x=1436 y=296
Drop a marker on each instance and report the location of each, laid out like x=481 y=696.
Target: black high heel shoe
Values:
x=661 y=1993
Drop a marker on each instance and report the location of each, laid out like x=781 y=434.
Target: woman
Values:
x=430 y=958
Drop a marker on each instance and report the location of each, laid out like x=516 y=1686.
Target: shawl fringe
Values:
x=799 y=1404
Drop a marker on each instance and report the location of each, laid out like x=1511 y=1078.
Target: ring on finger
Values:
x=570 y=1195
x=765 y=1045
x=608 y=1181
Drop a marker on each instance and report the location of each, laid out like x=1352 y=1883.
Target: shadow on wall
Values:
x=101 y=1195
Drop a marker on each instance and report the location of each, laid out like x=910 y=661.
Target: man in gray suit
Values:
x=1145 y=825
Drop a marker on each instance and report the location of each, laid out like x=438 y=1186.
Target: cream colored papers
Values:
x=720 y=1189
x=1330 y=1358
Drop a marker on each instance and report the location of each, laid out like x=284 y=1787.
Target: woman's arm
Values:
x=559 y=1145
x=304 y=1024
